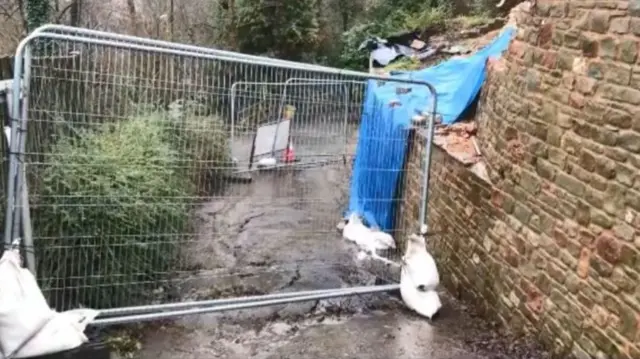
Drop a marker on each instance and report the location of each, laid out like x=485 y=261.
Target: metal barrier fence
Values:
x=332 y=102
x=126 y=155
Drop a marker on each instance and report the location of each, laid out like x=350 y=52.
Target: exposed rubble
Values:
x=459 y=139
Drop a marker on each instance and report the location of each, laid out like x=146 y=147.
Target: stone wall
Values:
x=552 y=245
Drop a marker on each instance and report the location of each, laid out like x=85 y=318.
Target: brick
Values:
x=587 y=160
x=571 y=143
x=564 y=121
x=615 y=197
x=608 y=48
x=565 y=60
x=598 y=183
x=629 y=256
x=633 y=199
x=624 y=231
x=585 y=85
x=609 y=248
x=594 y=197
x=634 y=8
x=584 y=130
x=616 y=154
x=628 y=51
x=618 y=74
x=635 y=77
x=545 y=169
x=601 y=219
x=557 y=157
x=603 y=268
x=604 y=167
x=619 y=25
x=570 y=184
x=579 y=173
x=522 y=213
x=584 y=263
x=622 y=280
x=530 y=182
x=634 y=26
x=634 y=160
x=616 y=93
x=629 y=324
x=577 y=100
x=554 y=136
x=549 y=112
x=629 y=140
x=589 y=46
x=537 y=129
x=587 y=345
x=606 y=135
x=624 y=174
x=599 y=21
x=545 y=34
x=617 y=118
x=596 y=70
x=583 y=214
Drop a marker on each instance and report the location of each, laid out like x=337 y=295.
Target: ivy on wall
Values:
x=37 y=12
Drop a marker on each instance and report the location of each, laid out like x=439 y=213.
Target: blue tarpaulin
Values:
x=382 y=140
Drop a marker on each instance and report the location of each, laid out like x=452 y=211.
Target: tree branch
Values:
x=63 y=12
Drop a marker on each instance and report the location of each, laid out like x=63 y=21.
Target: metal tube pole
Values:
x=424 y=205
x=210 y=303
x=239 y=306
x=13 y=146
x=166 y=44
x=138 y=43
x=24 y=221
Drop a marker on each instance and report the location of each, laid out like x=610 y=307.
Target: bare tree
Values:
x=133 y=16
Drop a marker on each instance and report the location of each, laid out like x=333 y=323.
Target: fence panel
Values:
x=333 y=105
x=127 y=156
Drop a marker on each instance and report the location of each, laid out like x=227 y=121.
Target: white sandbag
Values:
x=419 y=263
x=424 y=302
x=65 y=331
x=419 y=278
x=28 y=327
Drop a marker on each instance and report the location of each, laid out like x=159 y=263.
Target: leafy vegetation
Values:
x=327 y=31
x=397 y=19
x=286 y=31
x=115 y=204
x=37 y=13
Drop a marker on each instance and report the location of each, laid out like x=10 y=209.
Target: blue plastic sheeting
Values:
x=382 y=141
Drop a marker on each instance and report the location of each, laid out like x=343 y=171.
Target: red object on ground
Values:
x=289 y=156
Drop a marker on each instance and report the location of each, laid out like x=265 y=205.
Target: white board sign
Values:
x=266 y=136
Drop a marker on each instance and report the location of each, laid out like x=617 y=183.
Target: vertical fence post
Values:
x=424 y=201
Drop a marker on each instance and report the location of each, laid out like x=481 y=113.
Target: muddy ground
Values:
x=278 y=233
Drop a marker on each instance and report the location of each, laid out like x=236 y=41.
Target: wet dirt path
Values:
x=277 y=234
x=279 y=231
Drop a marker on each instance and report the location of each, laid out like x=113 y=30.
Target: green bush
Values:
x=427 y=19
x=203 y=143
x=113 y=205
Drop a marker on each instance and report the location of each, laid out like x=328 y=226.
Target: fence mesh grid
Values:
x=130 y=164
